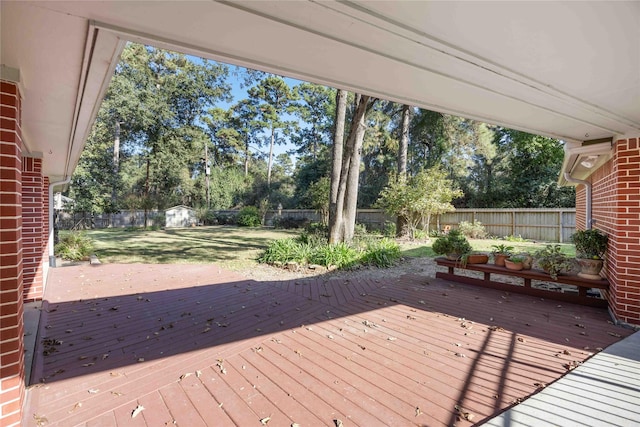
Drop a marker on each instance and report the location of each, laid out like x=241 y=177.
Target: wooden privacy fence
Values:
x=549 y=225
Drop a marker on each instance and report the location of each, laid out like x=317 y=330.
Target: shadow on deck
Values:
x=197 y=345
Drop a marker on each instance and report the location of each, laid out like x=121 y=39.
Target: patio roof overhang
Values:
x=569 y=70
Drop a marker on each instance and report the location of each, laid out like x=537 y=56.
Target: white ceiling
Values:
x=570 y=70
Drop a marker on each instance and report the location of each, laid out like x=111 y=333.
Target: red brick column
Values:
x=624 y=247
x=32 y=228
x=45 y=228
x=12 y=388
x=616 y=211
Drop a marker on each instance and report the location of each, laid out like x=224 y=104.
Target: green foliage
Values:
x=517 y=239
x=473 y=230
x=552 y=260
x=318 y=196
x=389 y=229
x=282 y=251
x=226 y=219
x=249 y=216
x=452 y=243
x=381 y=253
x=502 y=249
x=419 y=198
x=591 y=244
x=74 y=246
x=339 y=255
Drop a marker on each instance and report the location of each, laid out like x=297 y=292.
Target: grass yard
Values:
x=233 y=247
x=230 y=247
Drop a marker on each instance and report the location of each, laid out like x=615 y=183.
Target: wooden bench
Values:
x=581 y=284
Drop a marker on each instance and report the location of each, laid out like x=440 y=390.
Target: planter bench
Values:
x=579 y=297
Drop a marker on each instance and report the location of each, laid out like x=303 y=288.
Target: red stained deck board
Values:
x=156 y=412
x=180 y=406
x=330 y=378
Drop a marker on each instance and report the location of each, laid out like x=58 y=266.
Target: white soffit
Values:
x=570 y=70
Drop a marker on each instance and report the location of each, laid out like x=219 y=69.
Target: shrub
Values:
x=289 y=222
x=389 y=229
x=206 y=216
x=420 y=234
x=381 y=253
x=249 y=216
x=452 y=243
x=339 y=255
x=226 y=219
x=360 y=230
x=285 y=250
x=74 y=246
x=474 y=230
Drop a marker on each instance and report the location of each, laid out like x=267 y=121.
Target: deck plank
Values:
x=275 y=335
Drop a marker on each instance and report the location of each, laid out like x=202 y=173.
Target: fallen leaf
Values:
x=418 y=411
x=93 y=390
x=265 y=421
x=580 y=325
x=540 y=385
x=295 y=425
x=183 y=376
x=86 y=365
x=198 y=374
x=40 y=421
x=140 y=359
x=76 y=406
x=338 y=423
x=137 y=410
x=116 y=393
x=613 y=334
x=464 y=414
x=521 y=339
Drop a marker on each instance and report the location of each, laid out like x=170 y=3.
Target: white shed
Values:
x=180 y=216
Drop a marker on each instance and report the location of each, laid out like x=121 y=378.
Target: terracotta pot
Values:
x=477 y=259
x=498 y=259
x=517 y=266
x=590 y=268
x=528 y=261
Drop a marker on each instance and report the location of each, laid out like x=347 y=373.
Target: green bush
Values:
x=286 y=250
x=226 y=219
x=74 y=246
x=339 y=255
x=249 y=216
x=289 y=222
x=389 y=229
x=452 y=243
x=381 y=253
x=472 y=230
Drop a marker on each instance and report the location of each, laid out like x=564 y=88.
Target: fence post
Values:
x=560 y=227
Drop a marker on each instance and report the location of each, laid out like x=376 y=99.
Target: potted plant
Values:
x=552 y=260
x=474 y=258
x=527 y=260
x=454 y=245
x=514 y=263
x=591 y=246
x=500 y=253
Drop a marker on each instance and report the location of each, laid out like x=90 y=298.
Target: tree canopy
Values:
x=170 y=132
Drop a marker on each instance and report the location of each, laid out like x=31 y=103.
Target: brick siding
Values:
x=12 y=388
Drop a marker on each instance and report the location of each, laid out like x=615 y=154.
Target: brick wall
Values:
x=616 y=211
x=45 y=228
x=32 y=228
x=12 y=387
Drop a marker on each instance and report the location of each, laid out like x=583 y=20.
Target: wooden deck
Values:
x=198 y=346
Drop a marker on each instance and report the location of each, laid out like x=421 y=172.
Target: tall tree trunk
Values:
x=401 y=224
x=351 y=196
x=335 y=208
x=270 y=164
x=341 y=230
x=146 y=194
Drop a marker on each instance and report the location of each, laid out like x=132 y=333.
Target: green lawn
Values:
x=231 y=247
